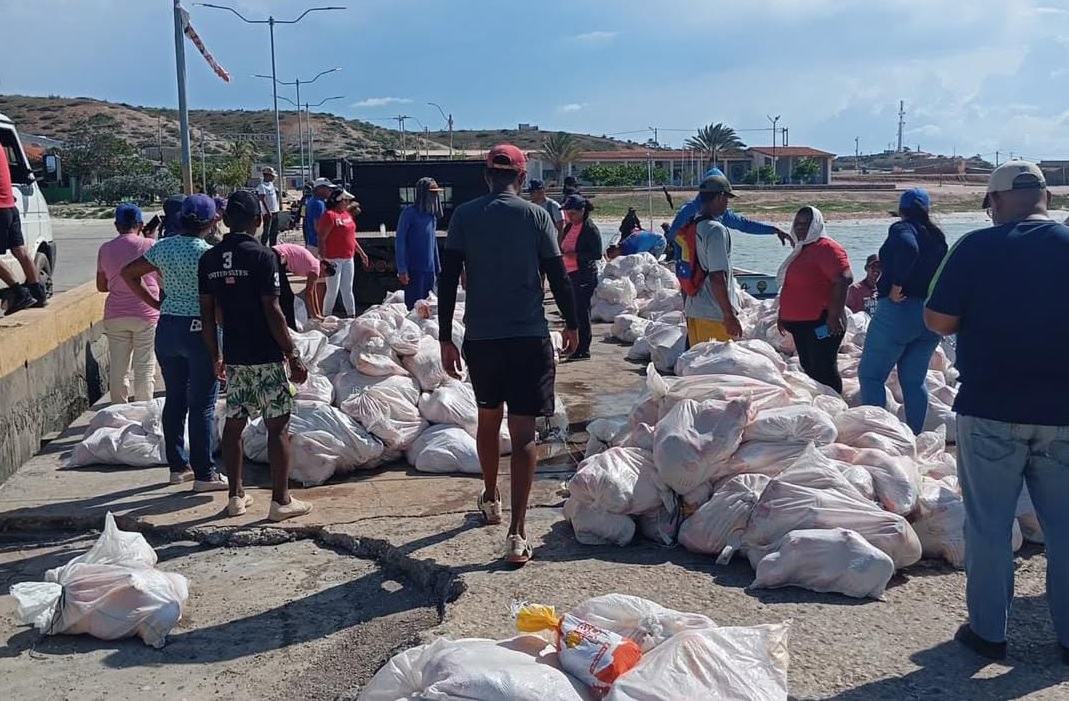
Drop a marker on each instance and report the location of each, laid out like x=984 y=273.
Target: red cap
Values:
x=506 y=157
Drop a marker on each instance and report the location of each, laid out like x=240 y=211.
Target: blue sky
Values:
x=977 y=75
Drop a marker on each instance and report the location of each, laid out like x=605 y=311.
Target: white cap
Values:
x=323 y=182
x=1015 y=175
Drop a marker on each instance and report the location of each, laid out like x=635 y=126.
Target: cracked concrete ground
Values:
x=310 y=608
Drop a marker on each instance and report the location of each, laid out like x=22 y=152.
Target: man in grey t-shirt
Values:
x=711 y=314
x=537 y=190
x=505 y=244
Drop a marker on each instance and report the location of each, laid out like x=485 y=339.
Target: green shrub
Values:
x=143 y=189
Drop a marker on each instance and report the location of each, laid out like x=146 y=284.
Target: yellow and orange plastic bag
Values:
x=595 y=656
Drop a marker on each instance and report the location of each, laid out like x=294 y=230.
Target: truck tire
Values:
x=44 y=272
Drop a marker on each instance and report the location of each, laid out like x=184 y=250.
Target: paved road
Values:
x=77 y=242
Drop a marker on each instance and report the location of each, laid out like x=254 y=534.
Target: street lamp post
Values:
x=297 y=82
x=308 y=122
x=449 y=123
x=775 y=170
x=271 y=22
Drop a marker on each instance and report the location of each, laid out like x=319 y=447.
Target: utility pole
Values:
x=857 y=153
x=901 y=122
x=996 y=159
x=656 y=141
x=786 y=141
x=775 y=170
x=401 y=125
x=183 y=108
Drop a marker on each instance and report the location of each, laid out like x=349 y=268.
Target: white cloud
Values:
x=1050 y=11
x=571 y=107
x=381 y=101
x=598 y=35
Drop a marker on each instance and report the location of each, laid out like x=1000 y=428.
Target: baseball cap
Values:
x=242 y=208
x=430 y=183
x=716 y=185
x=535 y=185
x=915 y=197
x=323 y=182
x=127 y=214
x=269 y=171
x=1014 y=175
x=575 y=202
x=506 y=157
x=200 y=206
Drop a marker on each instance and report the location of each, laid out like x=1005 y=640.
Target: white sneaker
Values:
x=182 y=477
x=281 y=512
x=218 y=483
x=491 y=510
x=517 y=550
x=238 y=505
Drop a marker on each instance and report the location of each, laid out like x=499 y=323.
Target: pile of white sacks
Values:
x=376 y=392
x=755 y=457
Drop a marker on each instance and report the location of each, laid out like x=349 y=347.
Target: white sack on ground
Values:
x=628 y=328
x=692 y=443
x=602 y=434
x=145 y=414
x=764 y=457
x=444 y=449
x=717 y=526
x=873 y=427
x=425 y=364
x=131 y=446
x=662 y=302
x=333 y=360
x=317 y=388
x=940 y=522
x=375 y=358
x=620 y=291
x=388 y=410
x=323 y=442
x=730 y=358
x=522 y=669
x=826 y=560
x=603 y=311
x=667 y=343
x=640 y=351
x=309 y=344
x=800 y=423
x=711 y=663
x=452 y=403
x=619 y=481
x=349 y=382
x=861 y=479
x=644 y=622
x=593 y=526
x=663 y=393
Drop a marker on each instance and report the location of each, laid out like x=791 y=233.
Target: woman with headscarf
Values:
x=909 y=258
x=418 y=264
x=187 y=366
x=581 y=248
x=336 y=231
x=812 y=298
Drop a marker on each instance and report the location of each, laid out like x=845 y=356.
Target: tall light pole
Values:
x=271 y=22
x=297 y=82
x=308 y=122
x=775 y=171
x=449 y=123
x=417 y=138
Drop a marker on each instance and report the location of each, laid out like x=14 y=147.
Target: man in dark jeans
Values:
x=503 y=242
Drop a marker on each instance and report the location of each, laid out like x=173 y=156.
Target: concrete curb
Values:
x=34 y=333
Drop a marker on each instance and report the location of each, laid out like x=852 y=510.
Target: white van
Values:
x=33 y=210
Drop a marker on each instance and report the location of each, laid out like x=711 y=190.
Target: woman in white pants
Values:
x=336 y=230
x=129 y=323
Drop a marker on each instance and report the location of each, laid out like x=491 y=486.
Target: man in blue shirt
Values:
x=313 y=210
x=729 y=219
x=638 y=242
x=995 y=286
x=417 y=242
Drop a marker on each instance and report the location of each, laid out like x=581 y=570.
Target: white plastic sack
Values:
x=521 y=669
x=692 y=444
x=389 y=411
x=873 y=427
x=603 y=311
x=594 y=526
x=662 y=393
x=644 y=622
x=444 y=449
x=763 y=457
x=309 y=343
x=602 y=434
x=663 y=301
x=317 y=388
x=145 y=414
x=376 y=362
x=711 y=663
x=640 y=351
x=404 y=341
x=802 y=423
x=620 y=291
x=628 y=328
x=452 y=403
x=941 y=522
x=425 y=364
x=730 y=358
x=717 y=526
x=349 y=382
x=130 y=445
x=619 y=481
x=667 y=343
x=111 y=592
x=826 y=560
x=861 y=479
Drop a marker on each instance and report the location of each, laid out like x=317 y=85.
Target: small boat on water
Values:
x=759 y=285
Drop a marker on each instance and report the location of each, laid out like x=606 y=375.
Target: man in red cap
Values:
x=504 y=244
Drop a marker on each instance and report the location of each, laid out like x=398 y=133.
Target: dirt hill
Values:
x=149 y=128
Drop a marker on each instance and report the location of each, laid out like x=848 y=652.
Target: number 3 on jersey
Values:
x=228 y=260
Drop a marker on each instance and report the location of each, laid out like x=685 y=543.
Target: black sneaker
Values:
x=40 y=295
x=578 y=356
x=982 y=647
x=21 y=299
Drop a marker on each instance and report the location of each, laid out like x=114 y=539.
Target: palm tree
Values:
x=561 y=150
x=713 y=138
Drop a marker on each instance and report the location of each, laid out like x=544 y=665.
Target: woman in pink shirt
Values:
x=301 y=262
x=581 y=248
x=129 y=323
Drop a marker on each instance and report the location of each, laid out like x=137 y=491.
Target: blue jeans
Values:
x=189 y=374
x=419 y=286
x=994 y=458
x=897 y=336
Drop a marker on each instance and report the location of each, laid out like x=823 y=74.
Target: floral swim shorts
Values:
x=255 y=390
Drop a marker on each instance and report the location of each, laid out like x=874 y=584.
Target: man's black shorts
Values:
x=10 y=229
x=519 y=372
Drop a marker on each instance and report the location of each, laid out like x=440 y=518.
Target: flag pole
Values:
x=183 y=108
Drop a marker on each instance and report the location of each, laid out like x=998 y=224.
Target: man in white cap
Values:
x=994 y=286
x=268 y=196
x=313 y=210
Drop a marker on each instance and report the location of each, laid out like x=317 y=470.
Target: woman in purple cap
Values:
x=897 y=336
x=187 y=366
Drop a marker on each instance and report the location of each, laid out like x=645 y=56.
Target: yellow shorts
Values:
x=702 y=330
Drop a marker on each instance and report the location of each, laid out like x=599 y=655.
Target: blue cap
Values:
x=535 y=184
x=914 y=198
x=575 y=202
x=713 y=172
x=127 y=215
x=201 y=206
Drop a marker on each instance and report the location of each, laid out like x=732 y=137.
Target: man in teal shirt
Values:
x=418 y=264
x=313 y=210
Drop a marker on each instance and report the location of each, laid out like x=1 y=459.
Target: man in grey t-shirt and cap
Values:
x=505 y=244
x=537 y=190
